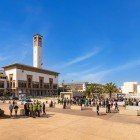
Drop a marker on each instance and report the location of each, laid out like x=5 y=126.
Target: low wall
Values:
x=129 y=112
x=76 y=107
x=133 y=108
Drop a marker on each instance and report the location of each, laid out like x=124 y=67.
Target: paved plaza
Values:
x=61 y=124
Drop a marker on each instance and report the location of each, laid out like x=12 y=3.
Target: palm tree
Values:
x=110 y=88
x=93 y=88
x=87 y=93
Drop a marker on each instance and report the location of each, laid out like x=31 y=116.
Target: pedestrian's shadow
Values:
x=24 y=117
x=5 y=117
x=103 y=114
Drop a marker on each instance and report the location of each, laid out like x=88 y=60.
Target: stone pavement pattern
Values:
x=59 y=126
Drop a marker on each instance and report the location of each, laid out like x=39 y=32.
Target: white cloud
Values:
x=82 y=58
x=77 y=59
x=90 y=75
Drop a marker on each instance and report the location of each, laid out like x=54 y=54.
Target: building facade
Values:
x=3 y=82
x=31 y=81
x=130 y=87
x=79 y=87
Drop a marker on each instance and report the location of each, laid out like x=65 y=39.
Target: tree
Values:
x=110 y=88
x=87 y=93
x=6 y=94
x=92 y=88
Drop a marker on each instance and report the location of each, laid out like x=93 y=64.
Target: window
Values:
x=51 y=82
x=54 y=86
x=29 y=81
x=41 y=82
x=13 y=84
x=1 y=84
x=46 y=86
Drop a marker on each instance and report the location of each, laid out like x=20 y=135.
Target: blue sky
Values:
x=84 y=40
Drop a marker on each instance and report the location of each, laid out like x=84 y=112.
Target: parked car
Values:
x=25 y=100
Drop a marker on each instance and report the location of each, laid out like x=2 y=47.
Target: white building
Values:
x=138 y=88
x=24 y=79
x=130 y=87
x=31 y=80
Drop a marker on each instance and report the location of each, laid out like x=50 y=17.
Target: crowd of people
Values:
x=13 y=106
x=132 y=102
x=33 y=109
x=36 y=108
x=91 y=102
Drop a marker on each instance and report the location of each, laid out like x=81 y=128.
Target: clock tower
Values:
x=37 y=51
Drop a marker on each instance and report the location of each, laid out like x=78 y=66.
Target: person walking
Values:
x=25 y=108
x=11 y=109
x=109 y=107
x=28 y=109
x=13 y=103
x=107 y=104
x=38 y=109
x=64 y=105
x=97 y=108
x=44 y=109
x=34 y=110
x=16 y=109
x=31 y=110
x=116 y=106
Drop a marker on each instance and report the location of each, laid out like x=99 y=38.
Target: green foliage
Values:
x=87 y=93
x=94 y=88
x=1 y=112
x=99 y=89
x=110 y=88
x=6 y=94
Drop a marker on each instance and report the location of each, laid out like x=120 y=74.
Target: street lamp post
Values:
x=63 y=85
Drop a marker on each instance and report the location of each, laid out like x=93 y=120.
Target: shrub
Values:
x=1 y=112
